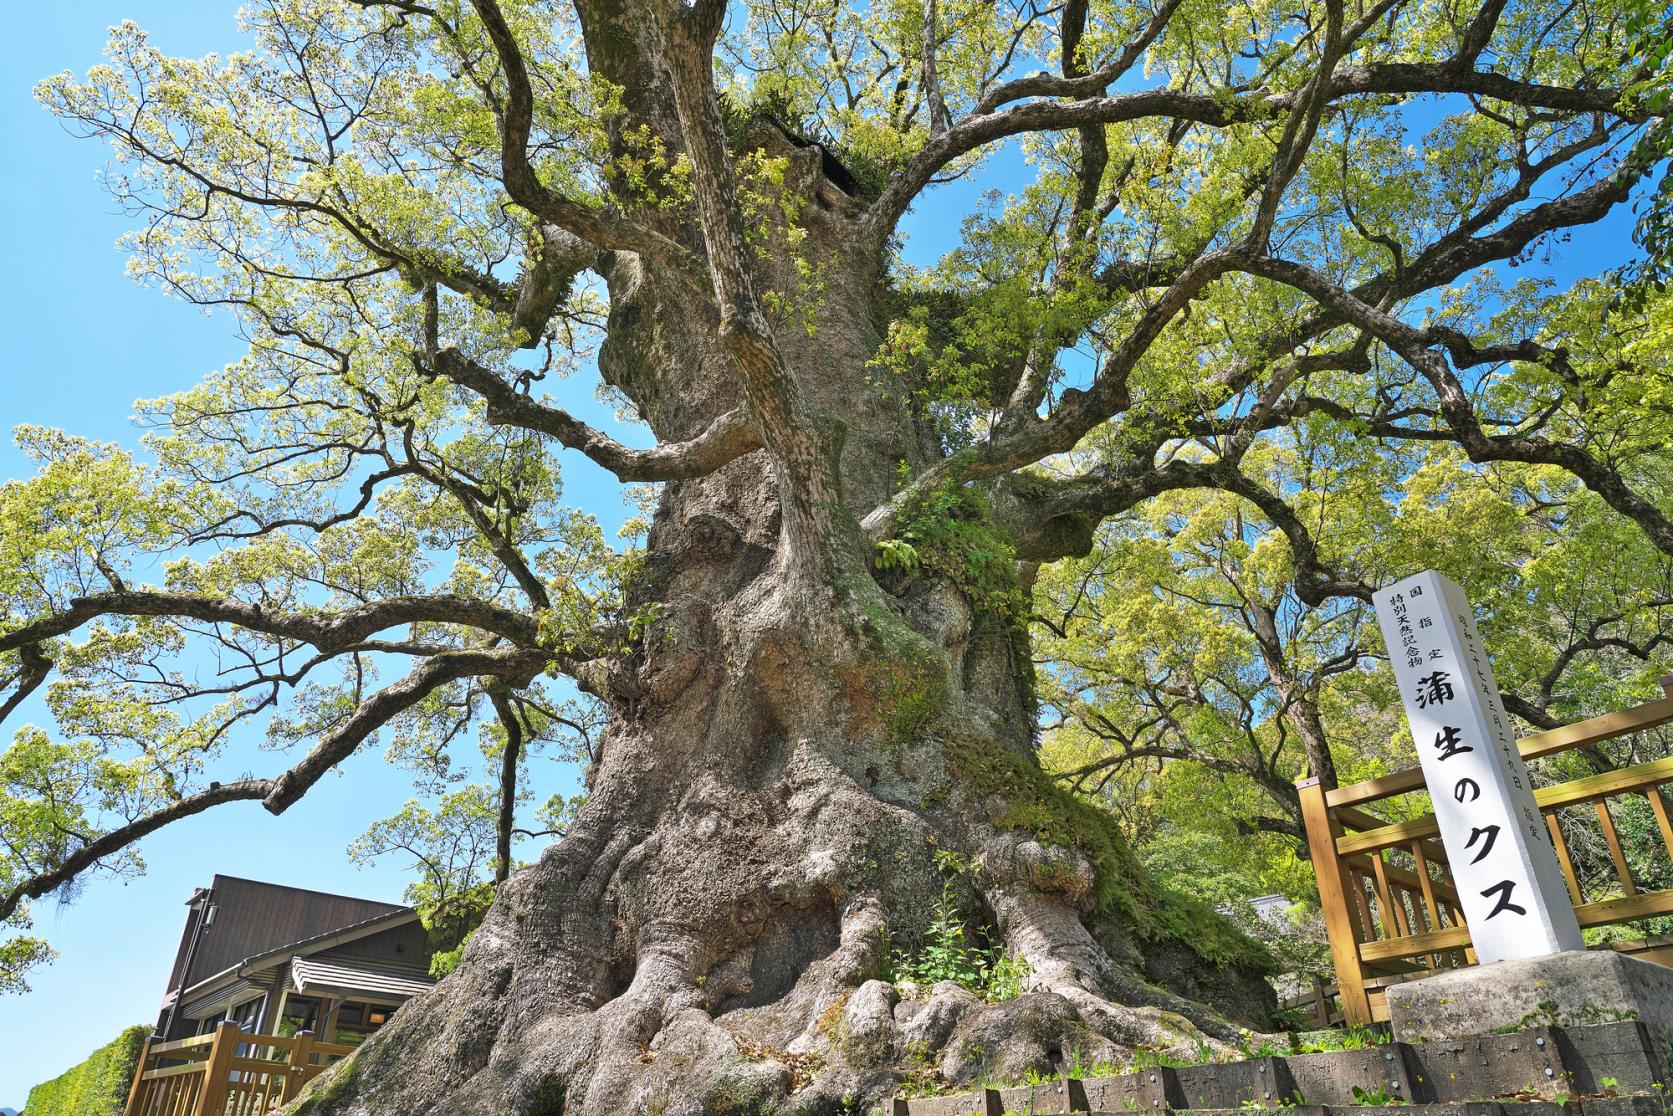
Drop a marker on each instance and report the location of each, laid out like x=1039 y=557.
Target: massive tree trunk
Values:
x=788 y=756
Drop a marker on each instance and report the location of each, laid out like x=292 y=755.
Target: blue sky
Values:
x=78 y=343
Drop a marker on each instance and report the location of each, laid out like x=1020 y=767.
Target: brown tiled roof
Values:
x=254 y=917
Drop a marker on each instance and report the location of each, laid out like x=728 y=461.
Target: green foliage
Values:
x=451 y=850
x=947 y=950
x=1145 y=1058
x=1347 y=1038
x=450 y=927
x=96 y=1087
x=949 y=532
x=909 y=696
x=1251 y=1045
x=20 y=954
x=1377 y=1096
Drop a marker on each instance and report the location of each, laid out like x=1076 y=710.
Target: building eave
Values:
x=281 y=955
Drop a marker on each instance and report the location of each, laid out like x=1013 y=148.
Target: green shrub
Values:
x=947 y=952
x=97 y=1087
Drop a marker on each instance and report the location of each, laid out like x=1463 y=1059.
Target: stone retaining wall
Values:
x=1610 y=1068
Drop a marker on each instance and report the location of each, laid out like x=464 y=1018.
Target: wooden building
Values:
x=279 y=960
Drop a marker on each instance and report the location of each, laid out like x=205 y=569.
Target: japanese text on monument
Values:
x=1501 y=858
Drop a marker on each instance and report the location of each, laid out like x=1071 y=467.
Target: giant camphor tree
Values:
x=1243 y=219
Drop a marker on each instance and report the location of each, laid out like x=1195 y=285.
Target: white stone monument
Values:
x=1503 y=863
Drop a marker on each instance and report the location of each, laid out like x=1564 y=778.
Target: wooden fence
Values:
x=1391 y=911
x=227 y=1073
x=1319 y=1003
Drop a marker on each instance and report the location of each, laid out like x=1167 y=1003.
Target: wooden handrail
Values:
x=183 y=1044
x=215 y=1078
x=1435 y=941
x=1538 y=746
x=1605 y=784
x=1626 y=909
x=1379 y=916
x=1374 y=790
x=1556 y=797
x=1389 y=836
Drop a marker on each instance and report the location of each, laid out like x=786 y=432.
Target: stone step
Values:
x=1451 y=1077
x=971 y=1104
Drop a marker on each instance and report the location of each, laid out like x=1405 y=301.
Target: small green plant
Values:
x=1377 y=1097
x=1007 y=976
x=1267 y=1047
x=950 y=532
x=920 y=1084
x=946 y=951
x=1352 y=1038
x=1145 y=1058
x=1079 y=1069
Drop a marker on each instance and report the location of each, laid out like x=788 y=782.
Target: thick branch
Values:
x=939 y=118
x=990 y=123
x=118 y=839
x=729 y=437
x=1415 y=347
x=506 y=823
x=1078 y=413
x=329 y=631
x=790 y=430
x=34 y=667
x=516 y=120
x=513 y=667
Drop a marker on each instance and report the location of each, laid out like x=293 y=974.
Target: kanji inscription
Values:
x=1502 y=860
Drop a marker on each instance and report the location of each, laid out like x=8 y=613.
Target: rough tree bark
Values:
x=787 y=756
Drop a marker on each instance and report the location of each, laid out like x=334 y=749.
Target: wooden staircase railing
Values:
x=1390 y=909
x=227 y=1073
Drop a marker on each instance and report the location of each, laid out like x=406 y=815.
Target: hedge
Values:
x=97 y=1087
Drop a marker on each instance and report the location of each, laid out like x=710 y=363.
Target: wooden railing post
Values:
x=1334 y=885
x=134 y=1090
x=301 y=1054
x=217 y=1071
x=1321 y=1003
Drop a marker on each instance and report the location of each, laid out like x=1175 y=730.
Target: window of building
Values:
x=302 y=1013
x=247 y=1014
x=356 y=1019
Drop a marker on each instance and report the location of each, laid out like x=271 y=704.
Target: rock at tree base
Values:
x=1568 y=989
